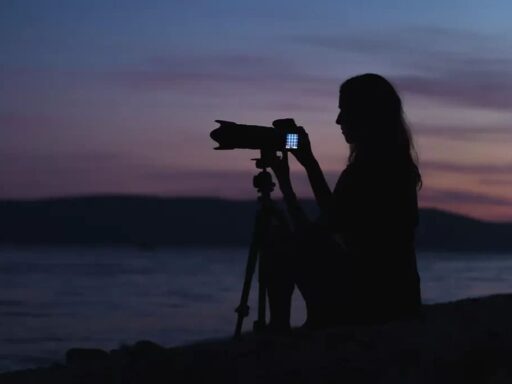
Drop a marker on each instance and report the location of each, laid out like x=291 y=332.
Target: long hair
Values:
x=375 y=110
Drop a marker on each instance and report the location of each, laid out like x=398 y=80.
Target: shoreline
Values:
x=465 y=341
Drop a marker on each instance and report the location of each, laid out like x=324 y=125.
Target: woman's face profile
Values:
x=343 y=120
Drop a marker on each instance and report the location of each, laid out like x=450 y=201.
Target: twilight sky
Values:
x=103 y=96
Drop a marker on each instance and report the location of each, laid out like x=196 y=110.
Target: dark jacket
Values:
x=375 y=213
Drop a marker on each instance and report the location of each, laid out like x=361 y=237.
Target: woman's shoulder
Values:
x=386 y=168
x=346 y=177
x=396 y=178
x=356 y=172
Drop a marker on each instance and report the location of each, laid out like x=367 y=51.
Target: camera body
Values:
x=282 y=136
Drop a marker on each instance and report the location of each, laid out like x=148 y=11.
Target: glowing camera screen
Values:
x=292 y=141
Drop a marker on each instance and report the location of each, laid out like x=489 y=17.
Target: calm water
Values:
x=52 y=299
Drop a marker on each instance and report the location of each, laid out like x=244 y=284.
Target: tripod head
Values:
x=263 y=180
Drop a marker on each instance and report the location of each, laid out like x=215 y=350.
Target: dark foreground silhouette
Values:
x=468 y=341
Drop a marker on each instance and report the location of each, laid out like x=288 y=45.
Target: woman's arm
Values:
x=321 y=190
x=282 y=171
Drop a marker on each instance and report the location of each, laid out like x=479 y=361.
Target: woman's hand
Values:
x=303 y=153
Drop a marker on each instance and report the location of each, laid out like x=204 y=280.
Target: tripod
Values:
x=262 y=222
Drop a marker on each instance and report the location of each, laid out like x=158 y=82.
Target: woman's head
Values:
x=372 y=120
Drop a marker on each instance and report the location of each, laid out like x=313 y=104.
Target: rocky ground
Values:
x=468 y=341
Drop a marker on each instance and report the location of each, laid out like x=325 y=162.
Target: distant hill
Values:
x=153 y=221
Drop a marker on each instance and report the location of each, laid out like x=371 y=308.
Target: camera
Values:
x=284 y=135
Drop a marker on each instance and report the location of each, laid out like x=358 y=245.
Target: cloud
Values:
x=461 y=133
x=61 y=173
x=455 y=66
x=454 y=197
x=63 y=160
x=408 y=41
x=221 y=73
x=487 y=87
x=473 y=169
x=223 y=183
x=496 y=181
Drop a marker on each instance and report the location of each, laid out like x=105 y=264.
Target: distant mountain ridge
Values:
x=156 y=221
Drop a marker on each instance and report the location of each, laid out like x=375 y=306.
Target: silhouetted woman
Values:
x=357 y=262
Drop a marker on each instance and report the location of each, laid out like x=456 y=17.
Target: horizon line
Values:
x=209 y=197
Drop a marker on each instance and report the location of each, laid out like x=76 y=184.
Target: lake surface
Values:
x=52 y=299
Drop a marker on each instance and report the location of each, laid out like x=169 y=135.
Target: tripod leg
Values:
x=263 y=183
x=243 y=309
x=261 y=322
x=279 y=260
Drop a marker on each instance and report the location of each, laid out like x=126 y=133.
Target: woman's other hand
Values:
x=303 y=153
